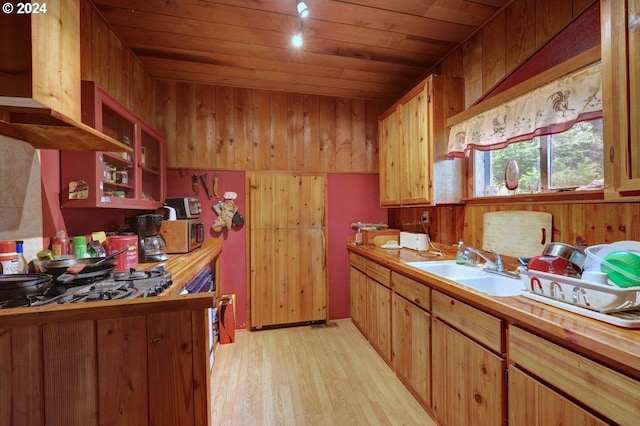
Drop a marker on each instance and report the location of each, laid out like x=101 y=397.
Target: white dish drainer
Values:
x=585 y=294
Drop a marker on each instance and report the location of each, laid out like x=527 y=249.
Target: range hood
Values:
x=44 y=128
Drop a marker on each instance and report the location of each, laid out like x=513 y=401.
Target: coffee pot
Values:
x=151 y=245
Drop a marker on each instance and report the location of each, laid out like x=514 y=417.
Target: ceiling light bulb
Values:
x=296 y=40
x=303 y=10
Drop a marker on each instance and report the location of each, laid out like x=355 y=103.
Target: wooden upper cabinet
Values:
x=390 y=138
x=40 y=78
x=413 y=141
x=43 y=49
x=621 y=103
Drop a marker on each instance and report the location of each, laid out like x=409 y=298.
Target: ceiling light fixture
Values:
x=303 y=10
x=296 y=40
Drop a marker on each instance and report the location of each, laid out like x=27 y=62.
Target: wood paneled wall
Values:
x=225 y=128
x=506 y=42
x=107 y=61
x=590 y=223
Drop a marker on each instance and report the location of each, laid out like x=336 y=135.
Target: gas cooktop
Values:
x=115 y=286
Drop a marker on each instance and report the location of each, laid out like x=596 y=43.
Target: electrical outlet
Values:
x=425 y=217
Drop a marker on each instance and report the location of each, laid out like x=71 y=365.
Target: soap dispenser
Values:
x=460 y=257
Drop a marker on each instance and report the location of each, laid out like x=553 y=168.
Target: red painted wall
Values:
x=233 y=261
x=351 y=198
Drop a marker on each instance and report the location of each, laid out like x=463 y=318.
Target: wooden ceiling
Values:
x=369 y=49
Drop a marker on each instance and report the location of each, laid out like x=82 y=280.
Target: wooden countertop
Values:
x=614 y=346
x=183 y=267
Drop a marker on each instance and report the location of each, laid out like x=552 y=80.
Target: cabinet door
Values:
x=390 y=140
x=379 y=317
x=288 y=282
x=358 y=294
x=468 y=380
x=533 y=404
x=621 y=85
x=150 y=164
x=416 y=157
x=411 y=346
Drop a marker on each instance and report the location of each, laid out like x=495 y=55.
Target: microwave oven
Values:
x=182 y=236
x=186 y=207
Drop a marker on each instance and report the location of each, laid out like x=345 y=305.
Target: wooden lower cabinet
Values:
x=468 y=380
x=142 y=363
x=358 y=297
x=410 y=346
x=533 y=404
x=603 y=391
x=379 y=317
x=371 y=302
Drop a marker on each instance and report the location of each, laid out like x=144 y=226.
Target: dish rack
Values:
x=585 y=294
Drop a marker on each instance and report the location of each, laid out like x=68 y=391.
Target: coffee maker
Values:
x=151 y=245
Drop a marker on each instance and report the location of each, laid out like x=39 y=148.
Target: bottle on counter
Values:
x=23 y=265
x=80 y=247
x=8 y=257
x=359 y=236
x=460 y=260
x=60 y=244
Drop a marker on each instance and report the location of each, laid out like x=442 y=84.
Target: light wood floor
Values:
x=308 y=376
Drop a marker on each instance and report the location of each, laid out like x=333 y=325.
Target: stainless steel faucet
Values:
x=494 y=268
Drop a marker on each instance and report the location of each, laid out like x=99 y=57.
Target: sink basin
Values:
x=492 y=284
x=472 y=276
x=448 y=269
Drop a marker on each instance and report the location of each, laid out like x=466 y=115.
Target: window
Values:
x=568 y=160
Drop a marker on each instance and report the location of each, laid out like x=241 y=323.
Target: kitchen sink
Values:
x=448 y=268
x=493 y=285
x=472 y=276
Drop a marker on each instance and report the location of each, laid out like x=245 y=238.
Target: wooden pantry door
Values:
x=288 y=274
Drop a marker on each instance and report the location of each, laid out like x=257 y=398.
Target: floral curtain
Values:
x=552 y=108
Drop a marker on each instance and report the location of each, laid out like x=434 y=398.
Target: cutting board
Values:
x=516 y=233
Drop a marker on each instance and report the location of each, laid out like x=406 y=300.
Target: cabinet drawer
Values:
x=412 y=290
x=358 y=262
x=476 y=324
x=608 y=392
x=379 y=273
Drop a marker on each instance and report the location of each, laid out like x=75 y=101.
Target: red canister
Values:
x=128 y=259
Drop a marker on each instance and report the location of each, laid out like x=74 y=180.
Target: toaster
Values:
x=414 y=241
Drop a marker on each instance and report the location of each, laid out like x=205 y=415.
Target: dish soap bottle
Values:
x=460 y=258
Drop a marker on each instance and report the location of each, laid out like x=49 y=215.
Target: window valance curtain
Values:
x=552 y=108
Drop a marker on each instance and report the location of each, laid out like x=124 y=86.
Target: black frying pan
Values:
x=23 y=285
x=58 y=267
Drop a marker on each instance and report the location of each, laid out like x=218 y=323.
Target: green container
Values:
x=623 y=268
x=80 y=247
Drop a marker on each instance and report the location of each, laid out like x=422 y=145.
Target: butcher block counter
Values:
x=141 y=361
x=590 y=370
